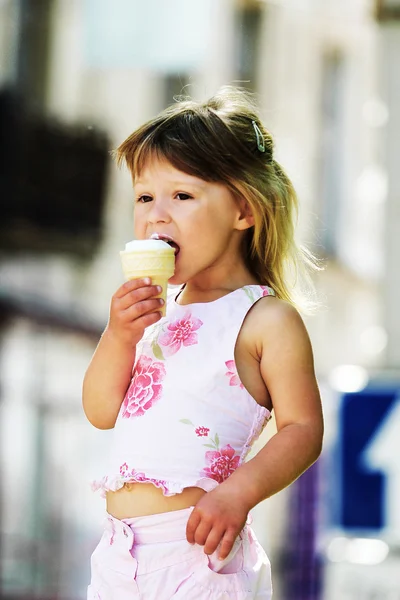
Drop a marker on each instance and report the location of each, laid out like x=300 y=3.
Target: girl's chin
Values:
x=175 y=280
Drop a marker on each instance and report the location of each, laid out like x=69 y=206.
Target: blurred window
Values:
x=33 y=50
x=160 y=35
x=52 y=181
x=332 y=151
x=248 y=23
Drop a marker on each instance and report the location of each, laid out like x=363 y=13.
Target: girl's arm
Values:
x=109 y=373
x=287 y=368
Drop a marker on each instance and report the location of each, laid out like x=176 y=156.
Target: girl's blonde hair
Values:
x=223 y=140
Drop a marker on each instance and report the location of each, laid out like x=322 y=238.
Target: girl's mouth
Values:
x=168 y=239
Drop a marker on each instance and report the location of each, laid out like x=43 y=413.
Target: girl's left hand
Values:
x=218 y=518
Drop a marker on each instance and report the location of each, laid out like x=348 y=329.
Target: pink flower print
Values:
x=181 y=331
x=202 y=431
x=233 y=374
x=221 y=463
x=266 y=290
x=123 y=469
x=145 y=388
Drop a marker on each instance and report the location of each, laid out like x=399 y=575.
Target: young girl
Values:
x=187 y=394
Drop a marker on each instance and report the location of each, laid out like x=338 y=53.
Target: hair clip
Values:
x=259 y=137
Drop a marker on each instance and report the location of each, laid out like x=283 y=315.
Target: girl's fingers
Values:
x=148 y=319
x=131 y=285
x=142 y=308
x=134 y=296
x=133 y=308
x=202 y=532
x=214 y=538
x=226 y=545
x=191 y=526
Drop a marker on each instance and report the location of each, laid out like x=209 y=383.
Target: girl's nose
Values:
x=158 y=212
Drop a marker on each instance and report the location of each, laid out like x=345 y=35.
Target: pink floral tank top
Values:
x=186 y=419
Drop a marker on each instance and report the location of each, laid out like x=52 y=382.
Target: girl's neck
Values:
x=209 y=289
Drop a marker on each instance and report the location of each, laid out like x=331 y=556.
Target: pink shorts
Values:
x=150 y=558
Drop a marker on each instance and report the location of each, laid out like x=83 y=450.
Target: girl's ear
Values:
x=245 y=218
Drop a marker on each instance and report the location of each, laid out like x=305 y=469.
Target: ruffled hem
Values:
x=169 y=488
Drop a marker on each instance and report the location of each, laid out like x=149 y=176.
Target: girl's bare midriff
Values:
x=140 y=499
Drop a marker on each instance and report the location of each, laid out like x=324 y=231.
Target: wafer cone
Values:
x=149 y=258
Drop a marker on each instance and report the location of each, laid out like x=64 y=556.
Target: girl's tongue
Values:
x=175 y=246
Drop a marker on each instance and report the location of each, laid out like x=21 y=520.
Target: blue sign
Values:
x=368 y=463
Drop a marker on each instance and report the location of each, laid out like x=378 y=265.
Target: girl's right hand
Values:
x=133 y=308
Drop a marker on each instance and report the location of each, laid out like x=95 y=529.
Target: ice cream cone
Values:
x=149 y=258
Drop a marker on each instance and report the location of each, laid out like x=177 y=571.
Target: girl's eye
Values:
x=183 y=196
x=144 y=198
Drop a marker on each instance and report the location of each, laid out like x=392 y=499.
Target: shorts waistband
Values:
x=150 y=529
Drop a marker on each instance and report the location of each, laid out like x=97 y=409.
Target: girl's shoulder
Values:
x=272 y=319
x=271 y=308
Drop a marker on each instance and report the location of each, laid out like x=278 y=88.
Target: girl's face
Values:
x=201 y=219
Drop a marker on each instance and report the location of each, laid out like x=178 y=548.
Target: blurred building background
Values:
x=76 y=77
